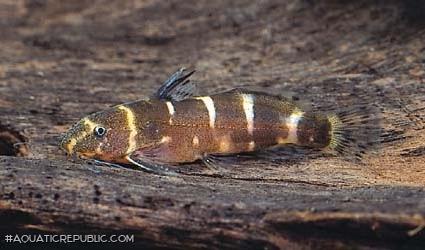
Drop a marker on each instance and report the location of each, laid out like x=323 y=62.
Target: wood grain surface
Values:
x=60 y=61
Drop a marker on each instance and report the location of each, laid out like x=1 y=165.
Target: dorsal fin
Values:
x=177 y=87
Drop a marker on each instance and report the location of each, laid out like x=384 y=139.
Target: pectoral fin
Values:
x=149 y=166
x=152 y=159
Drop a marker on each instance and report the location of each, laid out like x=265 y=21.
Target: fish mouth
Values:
x=80 y=156
x=86 y=155
x=67 y=144
x=70 y=139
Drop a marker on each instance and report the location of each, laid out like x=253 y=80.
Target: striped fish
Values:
x=174 y=126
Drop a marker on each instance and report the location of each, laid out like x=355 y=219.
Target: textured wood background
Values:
x=62 y=60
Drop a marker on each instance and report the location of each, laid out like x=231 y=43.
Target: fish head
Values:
x=104 y=135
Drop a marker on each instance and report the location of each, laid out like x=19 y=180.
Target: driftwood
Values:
x=60 y=61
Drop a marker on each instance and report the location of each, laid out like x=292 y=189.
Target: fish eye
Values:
x=99 y=131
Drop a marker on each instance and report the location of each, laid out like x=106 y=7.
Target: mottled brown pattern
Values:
x=149 y=115
x=187 y=135
x=231 y=126
x=269 y=121
x=314 y=131
x=190 y=113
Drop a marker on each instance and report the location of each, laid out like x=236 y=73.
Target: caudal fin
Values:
x=355 y=131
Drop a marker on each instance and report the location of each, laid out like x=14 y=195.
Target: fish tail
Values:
x=355 y=132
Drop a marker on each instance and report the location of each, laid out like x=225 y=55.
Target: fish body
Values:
x=176 y=127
